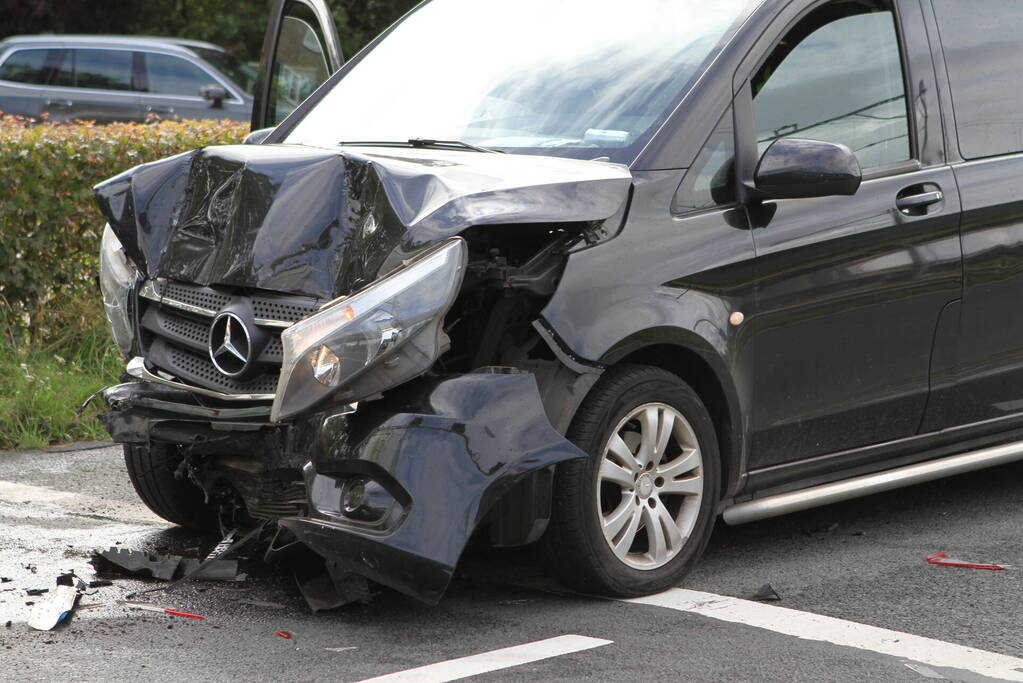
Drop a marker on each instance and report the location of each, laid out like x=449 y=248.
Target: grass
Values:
x=44 y=383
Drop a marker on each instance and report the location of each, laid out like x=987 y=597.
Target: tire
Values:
x=625 y=401
x=179 y=501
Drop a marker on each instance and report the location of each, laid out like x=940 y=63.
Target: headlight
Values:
x=375 y=339
x=116 y=278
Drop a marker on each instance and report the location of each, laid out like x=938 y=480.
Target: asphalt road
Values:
x=862 y=561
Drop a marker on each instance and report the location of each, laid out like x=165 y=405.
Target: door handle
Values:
x=913 y=204
x=59 y=104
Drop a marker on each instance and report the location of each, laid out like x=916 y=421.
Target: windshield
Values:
x=578 y=78
x=244 y=75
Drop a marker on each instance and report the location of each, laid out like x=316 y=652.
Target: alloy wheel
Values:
x=650 y=486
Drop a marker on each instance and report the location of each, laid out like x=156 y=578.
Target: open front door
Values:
x=300 y=51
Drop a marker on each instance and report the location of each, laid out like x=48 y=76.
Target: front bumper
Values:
x=447 y=449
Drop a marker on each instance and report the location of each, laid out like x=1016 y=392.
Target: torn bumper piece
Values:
x=429 y=475
x=393 y=491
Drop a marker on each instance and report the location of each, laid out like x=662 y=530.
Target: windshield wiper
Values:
x=420 y=142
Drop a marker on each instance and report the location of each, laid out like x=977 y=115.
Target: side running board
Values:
x=794 y=501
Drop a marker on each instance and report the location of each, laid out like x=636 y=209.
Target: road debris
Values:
x=766 y=594
x=332 y=588
x=47 y=614
x=100 y=583
x=340 y=649
x=36 y=592
x=944 y=560
x=156 y=608
x=260 y=603
x=287 y=635
x=163 y=567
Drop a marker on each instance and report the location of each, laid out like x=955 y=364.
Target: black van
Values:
x=579 y=273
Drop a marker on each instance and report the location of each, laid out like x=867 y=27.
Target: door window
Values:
x=37 y=67
x=982 y=41
x=103 y=69
x=710 y=182
x=170 y=75
x=837 y=77
x=300 y=65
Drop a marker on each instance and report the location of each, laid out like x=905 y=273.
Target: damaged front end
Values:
x=345 y=343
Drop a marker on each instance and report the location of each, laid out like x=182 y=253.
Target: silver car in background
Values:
x=121 y=78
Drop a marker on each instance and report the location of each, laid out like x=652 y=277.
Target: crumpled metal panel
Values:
x=324 y=222
x=456 y=447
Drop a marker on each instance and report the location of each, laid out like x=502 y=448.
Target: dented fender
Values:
x=453 y=450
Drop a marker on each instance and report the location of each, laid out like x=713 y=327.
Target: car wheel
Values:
x=153 y=471
x=634 y=517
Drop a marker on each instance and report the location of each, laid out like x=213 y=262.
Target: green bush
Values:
x=54 y=347
x=49 y=224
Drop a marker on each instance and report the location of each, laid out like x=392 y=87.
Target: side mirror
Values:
x=215 y=94
x=799 y=169
x=256 y=137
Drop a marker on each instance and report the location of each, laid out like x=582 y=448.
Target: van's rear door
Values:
x=301 y=50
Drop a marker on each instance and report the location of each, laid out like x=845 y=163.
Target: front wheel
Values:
x=154 y=472
x=634 y=517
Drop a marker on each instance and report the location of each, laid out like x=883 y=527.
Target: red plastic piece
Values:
x=285 y=634
x=945 y=561
x=182 y=614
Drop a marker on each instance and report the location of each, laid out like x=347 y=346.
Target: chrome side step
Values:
x=794 y=501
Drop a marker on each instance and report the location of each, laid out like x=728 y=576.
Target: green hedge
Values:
x=49 y=224
x=54 y=346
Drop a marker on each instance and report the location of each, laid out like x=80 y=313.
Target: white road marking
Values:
x=505 y=658
x=809 y=626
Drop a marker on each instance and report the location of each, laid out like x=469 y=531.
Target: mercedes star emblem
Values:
x=230 y=345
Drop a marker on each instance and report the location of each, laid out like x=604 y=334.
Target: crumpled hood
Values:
x=324 y=222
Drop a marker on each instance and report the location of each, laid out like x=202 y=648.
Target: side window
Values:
x=837 y=77
x=170 y=75
x=982 y=41
x=710 y=182
x=103 y=69
x=37 y=67
x=300 y=66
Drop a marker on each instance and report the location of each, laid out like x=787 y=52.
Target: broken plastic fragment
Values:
x=58 y=606
x=156 y=608
x=164 y=567
x=287 y=635
x=333 y=588
x=945 y=561
x=766 y=594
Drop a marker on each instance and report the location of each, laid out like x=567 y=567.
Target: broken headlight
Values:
x=116 y=278
x=375 y=339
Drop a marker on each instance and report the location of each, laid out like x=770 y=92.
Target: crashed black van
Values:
x=580 y=273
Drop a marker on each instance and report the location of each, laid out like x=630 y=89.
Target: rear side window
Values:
x=175 y=76
x=983 y=41
x=103 y=69
x=36 y=67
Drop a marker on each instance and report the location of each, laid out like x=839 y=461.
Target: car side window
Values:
x=301 y=65
x=982 y=43
x=837 y=77
x=103 y=69
x=169 y=75
x=37 y=67
x=711 y=180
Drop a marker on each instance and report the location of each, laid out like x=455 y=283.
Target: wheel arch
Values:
x=690 y=357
